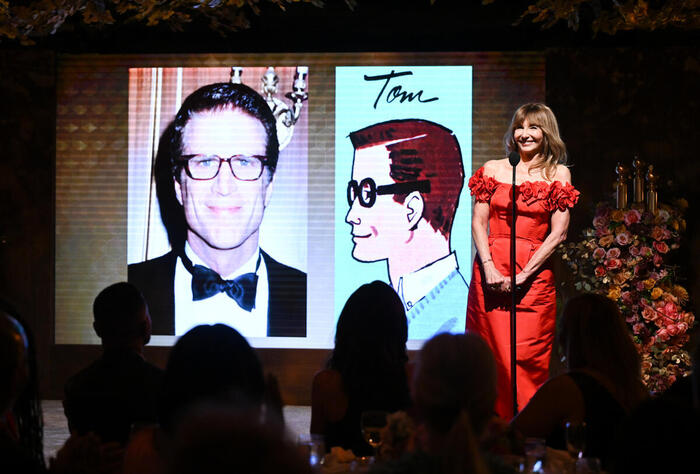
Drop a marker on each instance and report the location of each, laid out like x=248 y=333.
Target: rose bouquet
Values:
x=624 y=256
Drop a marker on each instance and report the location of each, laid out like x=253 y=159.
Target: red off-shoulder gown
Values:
x=488 y=312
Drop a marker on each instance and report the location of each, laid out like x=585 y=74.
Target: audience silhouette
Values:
x=601 y=386
x=119 y=390
x=207 y=364
x=21 y=426
x=454 y=392
x=366 y=370
x=220 y=439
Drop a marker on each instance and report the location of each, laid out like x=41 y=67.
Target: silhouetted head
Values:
x=455 y=373
x=593 y=335
x=121 y=317
x=218 y=439
x=210 y=363
x=372 y=320
x=14 y=365
x=370 y=343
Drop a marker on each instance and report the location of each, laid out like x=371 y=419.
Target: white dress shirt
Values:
x=414 y=286
x=221 y=308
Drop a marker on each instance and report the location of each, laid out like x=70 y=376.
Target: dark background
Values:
x=634 y=93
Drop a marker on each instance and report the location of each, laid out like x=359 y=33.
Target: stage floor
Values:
x=297 y=419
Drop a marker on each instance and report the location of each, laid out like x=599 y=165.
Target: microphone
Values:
x=514 y=158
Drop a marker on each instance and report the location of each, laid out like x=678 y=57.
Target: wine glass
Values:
x=576 y=439
x=372 y=422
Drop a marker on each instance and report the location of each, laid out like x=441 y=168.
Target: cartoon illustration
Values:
x=407 y=176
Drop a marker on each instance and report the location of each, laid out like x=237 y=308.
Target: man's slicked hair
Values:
x=223 y=96
x=420 y=149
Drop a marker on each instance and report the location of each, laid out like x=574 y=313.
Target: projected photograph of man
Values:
x=215 y=172
x=407 y=176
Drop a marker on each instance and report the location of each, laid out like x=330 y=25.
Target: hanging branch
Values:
x=611 y=16
x=39 y=18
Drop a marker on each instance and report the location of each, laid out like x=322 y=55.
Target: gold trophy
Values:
x=652 y=197
x=621 y=185
x=638 y=181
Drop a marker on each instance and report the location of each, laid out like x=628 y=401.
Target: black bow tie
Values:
x=207 y=283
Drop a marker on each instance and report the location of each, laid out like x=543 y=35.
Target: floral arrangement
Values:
x=624 y=256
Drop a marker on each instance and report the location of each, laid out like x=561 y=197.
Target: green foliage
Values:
x=613 y=16
x=39 y=18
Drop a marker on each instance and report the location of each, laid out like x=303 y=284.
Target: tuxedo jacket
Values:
x=286 y=314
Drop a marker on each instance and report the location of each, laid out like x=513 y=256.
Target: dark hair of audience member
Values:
x=593 y=335
x=219 y=439
x=121 y=316
x=211 y=363
x=370 y=348
x=454 y=390
x=27 y=405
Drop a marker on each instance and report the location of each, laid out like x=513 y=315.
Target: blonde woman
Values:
x=543 y=197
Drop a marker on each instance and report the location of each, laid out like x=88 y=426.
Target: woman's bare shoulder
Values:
x=493 y=167
x=562 y=174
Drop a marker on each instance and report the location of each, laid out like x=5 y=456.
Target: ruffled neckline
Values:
x=554 y=194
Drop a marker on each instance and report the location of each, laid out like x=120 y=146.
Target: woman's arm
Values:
x=480 y=219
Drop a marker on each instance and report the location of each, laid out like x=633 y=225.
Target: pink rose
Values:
x=640 y=284
x=623 y=238
x=658 y=260
x=600 y=221
x=600 y=271
x=671 y=310
x=631 y=318
x=672 y=330
x=632 y=217
x=663 y=335
x=627 y=297
x=599 y=253
x=661 y=247
x=646 y=251
x=634 y=251
x=614 y=252
x=649 y=314
x=682 y=327
x=613 y=263
x=657 y=233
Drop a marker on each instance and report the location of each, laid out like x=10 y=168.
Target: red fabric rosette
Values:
x=532 y=192
x=561 y=196
x=482 y=187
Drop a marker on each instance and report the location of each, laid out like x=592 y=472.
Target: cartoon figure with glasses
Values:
x=219 y=157
x=406 y=179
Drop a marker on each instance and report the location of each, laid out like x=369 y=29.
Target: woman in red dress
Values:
x=544 y=195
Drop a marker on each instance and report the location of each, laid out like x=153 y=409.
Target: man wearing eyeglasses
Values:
x=406 y=179
x=220 y=154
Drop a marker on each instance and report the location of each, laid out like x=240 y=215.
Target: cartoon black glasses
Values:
x=366 y=190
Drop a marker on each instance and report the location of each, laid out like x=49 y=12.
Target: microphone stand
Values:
x=514 y=159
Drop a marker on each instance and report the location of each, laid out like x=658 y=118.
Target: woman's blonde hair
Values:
x=553 y=148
